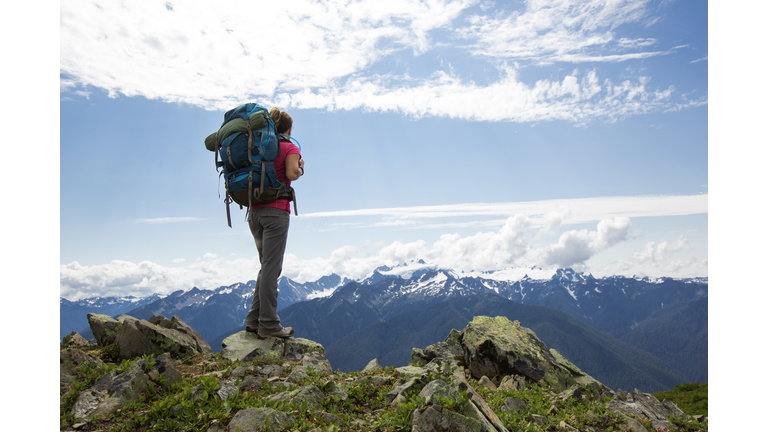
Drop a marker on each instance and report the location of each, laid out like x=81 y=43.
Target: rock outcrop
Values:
x=498 y=347
x=245 y=346
x=645 y=405
x=442 y=390
x=158 y=335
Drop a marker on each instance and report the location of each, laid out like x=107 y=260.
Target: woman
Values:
x=269 y=226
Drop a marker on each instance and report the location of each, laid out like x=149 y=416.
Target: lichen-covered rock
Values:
x=482 y=406
x=111 y=391
x=372 y=366
x=141 y=337
x=296 y=348
x=164 y=371
x=436 y=390
x=645 y=405
x=245 y=346
x=310 y=395
x=105 y=329
x=317 y=362
x=405 y=387
x=70 y=360
x=74 y=339
x=179 y=325
x=497 y=347
x=440 y=356
x=434 y=418
x=254 y=419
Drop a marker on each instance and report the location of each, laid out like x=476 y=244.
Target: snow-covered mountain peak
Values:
x=513 y=274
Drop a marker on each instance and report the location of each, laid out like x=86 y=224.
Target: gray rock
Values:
x=512 y=382
x=310 y=395
x=104 y=328
x=254 y=419
x=538 y=419
x=433 y=418
x=572 y=392
x=141 y=337
x=485 y=382
x=270 y=371
x=405 y=387
x=245 y=346
x=479 y=402
x=70 y=360
x=74 y=340
x=331 y=419
x=297 y=348
x=226 y=390
x=372 y=366
x=297 y=374
x=334 y=390
x=165 y=367
x=442 y=355
x=496 y=347
x=512 y=404
x=470 y=410
x=438 y=389
x=180 y=326
x=111 y=391
x=317 y=362
x=251 y=384
x=645 y=405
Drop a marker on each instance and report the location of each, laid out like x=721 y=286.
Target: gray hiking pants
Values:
x=269 y=227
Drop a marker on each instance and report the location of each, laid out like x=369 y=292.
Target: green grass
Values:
x=192 y=404
x=691 y=398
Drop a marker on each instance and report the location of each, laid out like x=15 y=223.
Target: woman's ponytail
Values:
x=283 y=122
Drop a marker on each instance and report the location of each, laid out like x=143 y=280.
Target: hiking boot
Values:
x=251 y=330
x=285 y=332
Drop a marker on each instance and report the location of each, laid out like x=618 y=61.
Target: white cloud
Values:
x=577 y=246
x=509 y=246
x=662 y=251
x=330 y=55
x=554 y=30
x=167 y=220
x=547 y=213
x=120 y=278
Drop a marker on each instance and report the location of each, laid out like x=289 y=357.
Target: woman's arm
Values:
x=294 y=166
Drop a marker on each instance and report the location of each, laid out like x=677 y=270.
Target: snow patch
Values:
x=321 y=294
x=509 y=274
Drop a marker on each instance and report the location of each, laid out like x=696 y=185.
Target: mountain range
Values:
x=627 y=327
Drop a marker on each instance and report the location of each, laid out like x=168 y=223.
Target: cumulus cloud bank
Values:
x=337 y=55
x=509 y=246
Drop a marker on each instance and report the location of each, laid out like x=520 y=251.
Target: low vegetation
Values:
x=193 y=404
x=691 y=398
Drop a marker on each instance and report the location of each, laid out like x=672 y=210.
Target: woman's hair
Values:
x=282 y=120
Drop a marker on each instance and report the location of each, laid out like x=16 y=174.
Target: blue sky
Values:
x=473 y=134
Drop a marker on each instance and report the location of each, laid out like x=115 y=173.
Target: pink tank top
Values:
x=286 y=148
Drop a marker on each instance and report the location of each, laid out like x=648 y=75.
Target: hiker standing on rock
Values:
x=269 y=226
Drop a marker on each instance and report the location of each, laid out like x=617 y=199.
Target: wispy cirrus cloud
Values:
x=337 y=55
x=165 y=220
x=545 y=213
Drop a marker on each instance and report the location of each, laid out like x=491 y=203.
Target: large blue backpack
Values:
x=247 y=145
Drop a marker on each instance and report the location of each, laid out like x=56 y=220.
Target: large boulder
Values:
x=245 y=346
x=497 y=347
x=105 y=329
x=112 y=391
x=157 y=336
